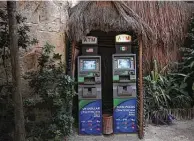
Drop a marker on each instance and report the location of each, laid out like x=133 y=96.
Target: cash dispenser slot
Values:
x=89 y=92
x=125 y=90
x=124 y=78
x=89 y=80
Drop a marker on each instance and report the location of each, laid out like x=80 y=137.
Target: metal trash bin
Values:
x=107 y=124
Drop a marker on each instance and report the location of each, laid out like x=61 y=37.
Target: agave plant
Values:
x=164 y=92
x=155 y=90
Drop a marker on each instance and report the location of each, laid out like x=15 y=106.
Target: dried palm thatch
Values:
x=162 y=25
x=169 y=20
x=105 y=16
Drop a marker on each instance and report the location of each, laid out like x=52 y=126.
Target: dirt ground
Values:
x=179 y=131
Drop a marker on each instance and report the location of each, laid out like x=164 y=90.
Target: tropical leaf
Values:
x=178 y=74
x=183 y=85
x=188 y=76
x=192 y=64
x=193 y=87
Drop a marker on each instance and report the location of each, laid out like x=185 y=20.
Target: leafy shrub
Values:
x=163 y=92
x=186 y=66
x=177 y=89
x=54 y=92
x=155 y=90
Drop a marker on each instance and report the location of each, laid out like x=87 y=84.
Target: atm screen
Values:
x=124 y=63
x=89 y=65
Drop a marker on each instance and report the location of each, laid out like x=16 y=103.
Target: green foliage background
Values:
x=54 y=91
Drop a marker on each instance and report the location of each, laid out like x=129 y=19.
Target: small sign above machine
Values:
x=89 y=45
x=123 y=38
x=89 y=40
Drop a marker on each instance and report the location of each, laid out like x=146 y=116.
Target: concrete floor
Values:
x=179 y=131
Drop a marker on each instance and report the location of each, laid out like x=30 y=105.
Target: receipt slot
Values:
x=124 y=86
x=89 y=88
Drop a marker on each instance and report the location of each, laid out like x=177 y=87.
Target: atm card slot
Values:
x=89 y=83
x=89 y=80
x=124 y=78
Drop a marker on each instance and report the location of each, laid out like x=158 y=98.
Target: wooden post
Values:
x=75 y=53
x=140 y=93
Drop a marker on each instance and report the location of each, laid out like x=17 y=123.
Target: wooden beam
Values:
x=140 y=92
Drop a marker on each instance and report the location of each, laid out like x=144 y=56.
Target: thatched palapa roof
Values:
x=105 y=16
x=163 y=22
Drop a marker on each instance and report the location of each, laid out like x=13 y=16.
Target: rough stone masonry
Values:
x=47 y=22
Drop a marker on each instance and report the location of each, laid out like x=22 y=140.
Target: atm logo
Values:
x=89 y=40
x=123 y=38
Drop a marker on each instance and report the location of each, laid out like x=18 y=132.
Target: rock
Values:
x=30 y=60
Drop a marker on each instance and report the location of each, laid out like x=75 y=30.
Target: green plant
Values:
x=177 y=89
x=164 y=92
x=155 y=90
x=55 y=91
x=186 y=66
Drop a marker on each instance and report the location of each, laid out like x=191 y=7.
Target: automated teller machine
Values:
x=89 y=88
x=124 y=86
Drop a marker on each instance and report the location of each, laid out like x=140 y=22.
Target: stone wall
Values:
x=47 y=21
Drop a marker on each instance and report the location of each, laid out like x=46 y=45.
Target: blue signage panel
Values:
x=125 y=115
x=90 y=117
